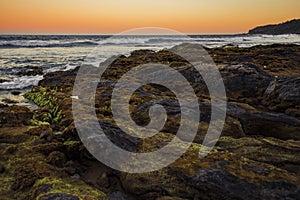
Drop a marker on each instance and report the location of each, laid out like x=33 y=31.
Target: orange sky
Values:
x=113 y=16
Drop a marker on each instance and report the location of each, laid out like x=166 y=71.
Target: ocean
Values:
x=24 y=59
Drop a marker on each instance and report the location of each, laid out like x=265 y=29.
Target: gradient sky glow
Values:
x=113 y=16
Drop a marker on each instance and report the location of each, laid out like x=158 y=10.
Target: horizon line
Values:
x=109 y=34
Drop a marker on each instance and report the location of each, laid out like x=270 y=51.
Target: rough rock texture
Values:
x=246 y=81
x=283 y=95
x=32 y=71
x=13 y=116
x=257 y=156
x=276 y=59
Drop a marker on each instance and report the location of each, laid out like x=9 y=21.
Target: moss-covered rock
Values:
x=44 y=158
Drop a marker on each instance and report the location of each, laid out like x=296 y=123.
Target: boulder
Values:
x=283 y=95
x=245 y=80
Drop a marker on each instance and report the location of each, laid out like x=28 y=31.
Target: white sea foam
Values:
x=61 y=53
x=20 y=82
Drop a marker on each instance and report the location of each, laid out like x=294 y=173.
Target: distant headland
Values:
x=289 y=27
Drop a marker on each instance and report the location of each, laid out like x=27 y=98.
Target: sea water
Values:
x=51 y=53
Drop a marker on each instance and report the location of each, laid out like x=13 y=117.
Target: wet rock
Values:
x=37 y=130
x=65 y=78
x=271 y=125
x=43 y=188
x=234 y=163
x=3 y=146
x=47 y=147
x=57 y=158
x=9 y=101
x=32 y=71
x=47 y=134
x=276 y=60
x=4 y=79
x=245 y=80
x=243 y=119
x=268 y=124
x=264 y=150
x=13 y=116
x=76 y=176
x=119 y=196
x=13 y=135
x=24 y=178
x=58 y=196
x=64 y=188
x=208 y=181
x=1 y=169
x=15 y=92
x=120 y=138
x=283 y=95
x=256 y=157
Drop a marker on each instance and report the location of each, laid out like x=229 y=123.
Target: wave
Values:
x=52 y=37
x=64 y=68
x=133 y=40
x=34 y=44
x=21 y=82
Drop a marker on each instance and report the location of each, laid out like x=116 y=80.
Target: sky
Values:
x=114 y=16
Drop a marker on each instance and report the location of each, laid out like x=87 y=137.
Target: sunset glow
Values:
x=113 y=16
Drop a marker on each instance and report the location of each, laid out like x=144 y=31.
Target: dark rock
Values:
x=13 y=135
x=15 y=92
x=13 y=116
x=58 y=196
x=24 y=177
x=9 y=101
x=119 y=196
x=234 y=171
x=65 y=78
x=47 y=134
x=245 y=80
x=32 y=71
x=4 y=79
x=276 y=60
x=3 y=145
x=212 y=181
x=76 y=176
x=256 y=157
x=1 y=169
x=243 y=119
x=57 y=158
x=282 y=95
x=264 y=150
x=269 y=124
x=43 y=188
x=120 y=138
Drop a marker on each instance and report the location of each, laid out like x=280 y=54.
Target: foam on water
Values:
x=20 y=82
x=54 y=53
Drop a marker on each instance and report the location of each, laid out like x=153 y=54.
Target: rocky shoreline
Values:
x=41 y=156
